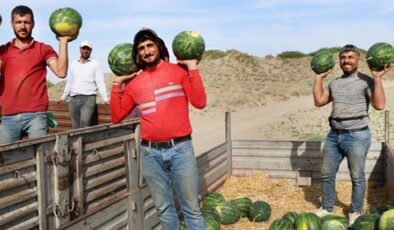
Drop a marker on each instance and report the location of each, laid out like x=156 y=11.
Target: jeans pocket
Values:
x=144 y=151
x=361 y=135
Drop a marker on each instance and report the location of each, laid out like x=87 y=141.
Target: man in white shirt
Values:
x=85 y=78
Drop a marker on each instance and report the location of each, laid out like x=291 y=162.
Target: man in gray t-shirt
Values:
x=349 y=136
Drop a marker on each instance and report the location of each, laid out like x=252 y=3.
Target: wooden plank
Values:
x=21 y=180
x=78 y=175
x=17 y=213
x=105 y=190
x=18 y=197
x=106 y=201
x=29 y=224
x=104 y=166
x=106 y=142
x=105 y=178
x=229 y=144
x=103 y=154
x=42 y=185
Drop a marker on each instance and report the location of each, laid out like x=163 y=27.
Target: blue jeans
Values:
x=82 y=108
x=13 y=127
x=354 y=146
x=176 y=167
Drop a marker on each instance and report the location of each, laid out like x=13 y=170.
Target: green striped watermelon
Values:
x=188 y=45
x=243 y=203
x=228 y=212
x=380 y=54
x=291 y=216
x=212 y=213
x=322 y=61
x=259 y=211
x=65 y=21
x=307 y=221
x=386 y=221
x=211 y=223
x=281 y=224
x=211 y=200
x=334 y=222
x=366 y=222
x=182 y=225
x=0 y=19
x=120 y=59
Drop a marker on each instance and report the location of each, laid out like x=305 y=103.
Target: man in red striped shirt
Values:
x=162 y=92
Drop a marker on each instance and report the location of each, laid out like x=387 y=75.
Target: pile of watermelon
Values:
x=382 y=218
x=218 y=211
x=65 y=22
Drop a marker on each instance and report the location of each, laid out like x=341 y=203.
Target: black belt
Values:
x=350 y=130
x=165 y=144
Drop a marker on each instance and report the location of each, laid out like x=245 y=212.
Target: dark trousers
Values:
x=82 y=109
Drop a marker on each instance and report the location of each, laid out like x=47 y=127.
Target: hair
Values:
x=22 y=11
x=349 y=48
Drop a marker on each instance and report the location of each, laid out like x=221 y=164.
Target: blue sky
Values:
x=257 y=27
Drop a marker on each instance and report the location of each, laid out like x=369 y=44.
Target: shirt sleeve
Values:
x=99 y=78
x=121 y=103
x=194 y=89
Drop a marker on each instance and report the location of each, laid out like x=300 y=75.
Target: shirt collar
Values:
x=28 y=46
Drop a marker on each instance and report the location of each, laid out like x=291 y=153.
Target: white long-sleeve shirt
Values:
x=85 y=79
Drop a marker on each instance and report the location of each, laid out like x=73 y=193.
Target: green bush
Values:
x=291 y=54
x=213 y=54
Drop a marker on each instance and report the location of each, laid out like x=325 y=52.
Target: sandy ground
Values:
x=251 y=123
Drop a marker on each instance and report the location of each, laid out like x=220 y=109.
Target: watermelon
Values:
x=379 y=55
x=188 y=45
x=307 y=221
x=281 y=224
x=243 y=203
x=65 y=22
x=322 y=61
x=366 y=222
x=259 y=211
x=334 y=222
x=211 y=223
x=182 y=225
x=211 y=200
x=0 y=20
x=291 y=216
x=120 y=59
x=228 y=212
x=212 y=213
x=386 y=221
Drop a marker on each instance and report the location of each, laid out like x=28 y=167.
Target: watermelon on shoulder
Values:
x=120 y=59
x=379 y=55
x=0 y=19
x=65 y=21
x=188 y=45
x=307 y=221
x=291 y=216
x=259 y=211
x=322 y=61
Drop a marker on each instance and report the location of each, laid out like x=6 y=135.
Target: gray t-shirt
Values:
x=349 y=95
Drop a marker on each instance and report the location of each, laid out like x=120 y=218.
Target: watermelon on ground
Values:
x=243 y=203
x=212 y=213
x=281 y=224
x=188 y=45
x=307 y=221
x=386 y=221
x=366 y=222
x=259 y=211
x=120 y=59
x=334 y=222
x=322 y=61
x=65 y=22
x=291 y=216
x=211 y=200
x=211 y=223
x=379 y=55
x=382 y=208
x=228 y=212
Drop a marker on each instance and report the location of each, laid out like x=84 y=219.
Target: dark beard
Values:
x=152 y=63
x=26 y=38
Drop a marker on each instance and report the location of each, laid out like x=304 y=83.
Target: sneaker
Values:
x=322 y=212
x=353 y=217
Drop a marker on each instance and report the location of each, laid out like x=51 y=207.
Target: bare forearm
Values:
x=378 y=96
